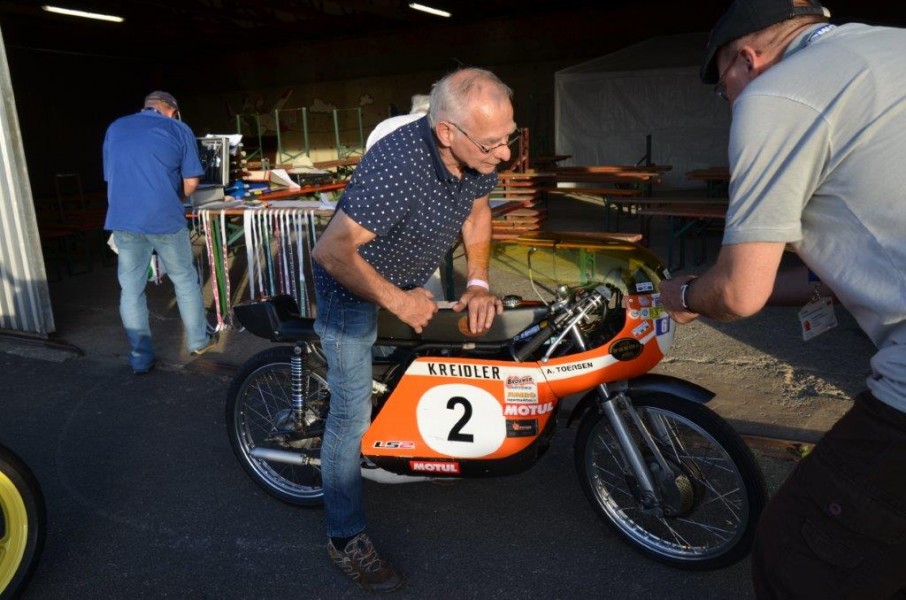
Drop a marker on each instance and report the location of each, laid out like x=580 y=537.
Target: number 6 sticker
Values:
x=461 y=420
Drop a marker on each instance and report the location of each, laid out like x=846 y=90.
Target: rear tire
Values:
x=23 y=523
x=259 y=414
x=712 y=499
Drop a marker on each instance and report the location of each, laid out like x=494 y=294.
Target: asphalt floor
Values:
x=146 y=499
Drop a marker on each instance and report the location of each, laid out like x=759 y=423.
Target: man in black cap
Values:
x=150 y=165
x=816 y=147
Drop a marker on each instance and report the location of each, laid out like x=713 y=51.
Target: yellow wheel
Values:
x=22 y=523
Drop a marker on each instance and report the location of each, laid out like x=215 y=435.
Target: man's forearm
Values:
x=189 y=186
x=476 y=239
x=737 y=286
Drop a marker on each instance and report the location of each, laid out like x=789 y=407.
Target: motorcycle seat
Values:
x=277 y=319
x=448 y=326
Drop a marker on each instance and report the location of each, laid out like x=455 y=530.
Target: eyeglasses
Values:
x=512 y=139
x=720 y=88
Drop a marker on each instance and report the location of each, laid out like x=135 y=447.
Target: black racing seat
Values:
x=277 y=319
x=447 y=326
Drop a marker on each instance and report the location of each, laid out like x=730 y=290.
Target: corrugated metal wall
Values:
x=24 y=297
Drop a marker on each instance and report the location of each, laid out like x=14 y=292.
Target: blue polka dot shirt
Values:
x=402 y=192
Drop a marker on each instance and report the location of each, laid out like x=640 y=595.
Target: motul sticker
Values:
x=522 y=428
x=531 y=410
x=626 y=349
x=420 y=466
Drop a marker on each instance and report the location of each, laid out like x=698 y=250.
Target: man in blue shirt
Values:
x=150 y=164
x=413 y=193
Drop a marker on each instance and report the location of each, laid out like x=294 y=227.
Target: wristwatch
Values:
x=684 y=292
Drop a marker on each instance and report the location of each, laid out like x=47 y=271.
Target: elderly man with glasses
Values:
x=816 y=152
x=414 y=192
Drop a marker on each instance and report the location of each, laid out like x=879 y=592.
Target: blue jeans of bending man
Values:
x=347 y=331
x=134 y=256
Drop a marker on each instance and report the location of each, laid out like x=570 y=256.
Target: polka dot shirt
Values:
x=402 y=192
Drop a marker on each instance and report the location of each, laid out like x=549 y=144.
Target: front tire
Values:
x=709 y=503
x=23 y=523
x=259 y=415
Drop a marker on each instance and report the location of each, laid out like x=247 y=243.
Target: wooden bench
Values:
x=715 y=179
x=683 y=218
x=632 y=204
x=604 y=181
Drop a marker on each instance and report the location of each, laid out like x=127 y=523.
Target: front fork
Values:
x=612 y=403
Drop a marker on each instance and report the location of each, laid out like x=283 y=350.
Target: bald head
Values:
x=458 y=94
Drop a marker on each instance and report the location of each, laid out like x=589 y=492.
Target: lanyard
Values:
x=818 y=33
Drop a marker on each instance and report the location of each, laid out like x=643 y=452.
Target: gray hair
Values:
x=450 y=96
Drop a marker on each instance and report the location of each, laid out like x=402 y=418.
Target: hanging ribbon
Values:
x=278 y=245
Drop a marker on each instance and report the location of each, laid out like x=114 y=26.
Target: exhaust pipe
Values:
x=284 y=456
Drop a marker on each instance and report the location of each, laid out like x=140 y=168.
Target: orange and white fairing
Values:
x=467 y=408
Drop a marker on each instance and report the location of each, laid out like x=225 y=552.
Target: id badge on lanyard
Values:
x=818 y=315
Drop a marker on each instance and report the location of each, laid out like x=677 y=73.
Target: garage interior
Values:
x=226 y=60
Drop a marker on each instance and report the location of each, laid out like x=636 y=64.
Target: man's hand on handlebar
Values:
x=482 y=306
x=418 y=308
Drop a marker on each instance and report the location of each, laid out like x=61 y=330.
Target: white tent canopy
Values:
x=606 y=107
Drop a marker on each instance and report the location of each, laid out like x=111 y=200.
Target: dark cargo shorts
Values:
x=837 y=526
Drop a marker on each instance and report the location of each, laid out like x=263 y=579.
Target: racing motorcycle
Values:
x=23 y=521
x=669 y=475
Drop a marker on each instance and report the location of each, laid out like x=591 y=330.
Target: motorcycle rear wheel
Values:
x=23 y=523
x=258 y=409
x=713 y=498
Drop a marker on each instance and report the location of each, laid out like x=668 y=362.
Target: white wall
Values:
x=605 y=108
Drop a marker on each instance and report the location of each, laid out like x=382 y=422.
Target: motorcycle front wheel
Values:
x=259 y=416
x=709 y=500
x=23 y=523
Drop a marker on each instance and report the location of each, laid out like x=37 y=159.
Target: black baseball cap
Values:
x=748 y=16
x=164 y=97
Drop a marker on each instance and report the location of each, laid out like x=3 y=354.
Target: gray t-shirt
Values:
x=816 y=151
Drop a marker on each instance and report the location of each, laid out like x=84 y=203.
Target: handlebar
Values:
x=533 y=344
x=564 y=318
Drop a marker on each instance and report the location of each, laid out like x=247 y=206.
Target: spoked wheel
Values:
x=23 y=521
x=259 y=417
x=709 y=498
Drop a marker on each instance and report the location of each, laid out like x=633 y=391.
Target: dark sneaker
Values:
x=361 y=563
x=212 y=341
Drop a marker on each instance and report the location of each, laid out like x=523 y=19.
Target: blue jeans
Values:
x=347 y=332
x=134 y=256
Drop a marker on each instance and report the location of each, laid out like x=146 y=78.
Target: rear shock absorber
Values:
x=298 y=363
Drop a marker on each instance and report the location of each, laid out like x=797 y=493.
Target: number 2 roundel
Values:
x=461 y=420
